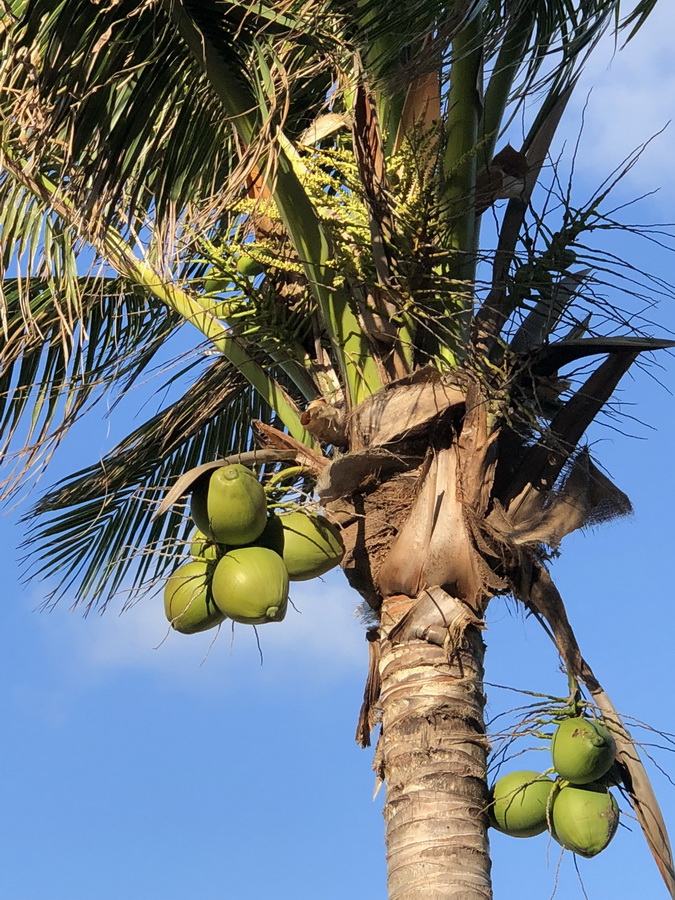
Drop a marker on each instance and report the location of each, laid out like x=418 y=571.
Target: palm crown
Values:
x=304 y=183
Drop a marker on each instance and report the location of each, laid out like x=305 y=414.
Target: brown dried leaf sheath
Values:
x=404 y=410
x=434 y=546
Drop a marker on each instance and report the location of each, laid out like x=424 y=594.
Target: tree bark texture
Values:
x=432 y=754
x=412 y=547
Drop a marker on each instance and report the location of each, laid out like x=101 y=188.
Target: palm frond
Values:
x=54 y=370
x=142 y=127
x=190 y=307
x=86 y=530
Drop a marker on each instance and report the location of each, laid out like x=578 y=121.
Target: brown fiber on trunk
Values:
x=432 y=755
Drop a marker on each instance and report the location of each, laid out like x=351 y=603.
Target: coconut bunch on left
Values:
x=244 y=554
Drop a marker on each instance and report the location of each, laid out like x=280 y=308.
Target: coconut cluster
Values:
x=577 y=806
x=244 y=554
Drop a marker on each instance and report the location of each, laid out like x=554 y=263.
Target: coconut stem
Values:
x=294 y=471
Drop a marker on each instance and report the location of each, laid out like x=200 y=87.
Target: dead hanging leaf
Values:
x=272 y=438
x=585 y=497
x=543 y=598
x=369 y=713
x=527 y=493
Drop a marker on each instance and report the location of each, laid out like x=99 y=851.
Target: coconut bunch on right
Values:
x=576 y=805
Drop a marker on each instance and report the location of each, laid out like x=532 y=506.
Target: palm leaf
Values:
x=53 y=372
x=140 y=110
x=170 y=106
x=200 y=312
x=88 y=525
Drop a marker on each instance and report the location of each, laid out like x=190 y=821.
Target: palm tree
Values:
x=398 y=355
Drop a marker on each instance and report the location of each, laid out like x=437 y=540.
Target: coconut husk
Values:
x=543 y=598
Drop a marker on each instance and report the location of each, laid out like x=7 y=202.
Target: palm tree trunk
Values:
x=432 y=755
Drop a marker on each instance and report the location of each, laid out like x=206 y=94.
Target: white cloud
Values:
x=323 y=632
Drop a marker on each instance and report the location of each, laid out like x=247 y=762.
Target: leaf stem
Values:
x=112 y=247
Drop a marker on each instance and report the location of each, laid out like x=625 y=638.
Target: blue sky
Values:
x=143 y=766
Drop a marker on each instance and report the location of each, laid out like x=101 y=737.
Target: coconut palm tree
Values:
x=393 y=310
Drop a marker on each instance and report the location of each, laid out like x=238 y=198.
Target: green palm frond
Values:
x=142 y=126
x=145 y=271
x=90 y=525
x=52 y=372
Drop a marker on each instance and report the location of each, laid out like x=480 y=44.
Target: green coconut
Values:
x=250 y=585
x=249 y=267
x=188 y=603
x=584 y=818
x=583 y=750
x=309 y=544
x=229 y=506
x=201 y=547
x=519 y=802
x=217 y=285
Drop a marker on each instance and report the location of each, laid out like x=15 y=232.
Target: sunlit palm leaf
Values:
x=146 y=132
x=142 y=126
x=89 y=525
x=51 y=373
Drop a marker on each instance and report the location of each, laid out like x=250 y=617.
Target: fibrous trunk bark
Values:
x=432 y=586
x=432 y=755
